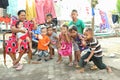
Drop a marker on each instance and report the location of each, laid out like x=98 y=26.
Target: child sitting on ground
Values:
x=95 y=53
x=53 y=41
x=22 y=36
x=43 y=44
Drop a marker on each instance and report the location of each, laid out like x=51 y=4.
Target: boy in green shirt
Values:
x=77 y=22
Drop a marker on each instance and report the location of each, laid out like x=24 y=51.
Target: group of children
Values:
x=70 y=38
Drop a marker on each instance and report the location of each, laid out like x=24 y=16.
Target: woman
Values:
x=11 y=44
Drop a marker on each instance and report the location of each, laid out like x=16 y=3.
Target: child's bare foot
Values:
x=109 y=70
x=81 y=70
x=59 y=61
x=36 y=62
x=93 y=67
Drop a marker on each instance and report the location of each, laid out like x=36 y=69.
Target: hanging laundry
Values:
x=43 y=7
x=13 y=7
x=3 y=4
x=30 y=9
x=40 y=11
x=49 y=8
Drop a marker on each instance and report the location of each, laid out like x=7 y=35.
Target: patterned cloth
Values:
x=11 y=44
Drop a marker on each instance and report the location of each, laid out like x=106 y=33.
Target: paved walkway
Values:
x=52 y=71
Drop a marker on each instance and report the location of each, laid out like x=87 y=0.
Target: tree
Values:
x=118 y=5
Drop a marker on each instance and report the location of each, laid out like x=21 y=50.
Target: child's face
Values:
x=48 y=18
x=44 y=31
x=88 y=35
x=20 y=25
x=73 y=33
x=74 y=15
x=50 y=30
x=64 y=30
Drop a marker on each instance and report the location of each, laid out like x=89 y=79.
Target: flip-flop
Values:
x=19 y=67
x=16 y=65
x=70 y=64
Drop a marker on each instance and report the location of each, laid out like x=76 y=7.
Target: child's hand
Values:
x=40 y=37
x=45 y=44
x=86 y=60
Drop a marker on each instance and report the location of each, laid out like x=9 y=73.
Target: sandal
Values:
x=70 y=64
x=20 y=67
x=16 y=65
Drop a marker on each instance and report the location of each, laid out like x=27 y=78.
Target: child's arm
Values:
x=48 y=41
x=90 y=56
x=67 y=37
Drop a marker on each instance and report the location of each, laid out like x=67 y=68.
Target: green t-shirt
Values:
x=79 y=24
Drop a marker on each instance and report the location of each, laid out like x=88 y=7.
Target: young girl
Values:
x=53 y=40
x=65 y=45
x=78 y=43
x=22 y=36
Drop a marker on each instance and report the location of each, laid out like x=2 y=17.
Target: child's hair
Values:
x=49 y=27
x=43 y=28
x=73 y=28
x=49 y=15
x=88 y=29
x=64 y=25
x=74 y=10
x=17 y=23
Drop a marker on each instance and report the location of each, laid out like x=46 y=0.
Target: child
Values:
x=49 y=22
x=53 y=41
x=78 y=43
x=22 y=36
x=43 y=44
x=77 y=22
x=65 y=45
x=95 y=53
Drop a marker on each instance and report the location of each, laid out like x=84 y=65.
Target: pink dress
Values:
x=11 y=44
x=43 y=7
x=40 y=11
x=66 y=47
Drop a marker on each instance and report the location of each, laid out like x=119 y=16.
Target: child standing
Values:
x=65 y=45
x=95 y=53
x=77 y=22
x=78 y=44
x=43 y=44
x=22 y=36
x=53 y=40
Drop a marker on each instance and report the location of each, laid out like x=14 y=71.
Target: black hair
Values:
x=73 y=28
x=87 y=29
x=49 y=15
x=49 y=27
x=74 y=10
x=17 y=23
x=20 y=11
x=65 y=26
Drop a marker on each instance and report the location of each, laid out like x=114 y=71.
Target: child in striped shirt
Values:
x=95 y=53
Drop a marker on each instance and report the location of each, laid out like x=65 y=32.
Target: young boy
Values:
x=95 y=53
x=53 y=40
x=49 y=22
x=77 y=22
x=43 y=44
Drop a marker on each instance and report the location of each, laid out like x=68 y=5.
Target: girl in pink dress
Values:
x=65 y=45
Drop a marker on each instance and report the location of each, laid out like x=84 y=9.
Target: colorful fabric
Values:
x=12 y=8
x=42 y=42
x=30 y=9
x=43 y=7
x=11 y=44
x=79 y=24
x=66 y=47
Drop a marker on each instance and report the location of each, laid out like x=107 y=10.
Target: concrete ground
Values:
x=52 y=71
